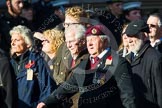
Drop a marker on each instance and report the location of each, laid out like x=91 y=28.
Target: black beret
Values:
x=135 y=27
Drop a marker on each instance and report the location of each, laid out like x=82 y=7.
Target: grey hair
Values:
x=78 y=29
x=157 y=15
x=103 y=37
x=25 y=33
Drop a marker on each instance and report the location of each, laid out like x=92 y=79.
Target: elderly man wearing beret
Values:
x=146 y=66
x=102 y=78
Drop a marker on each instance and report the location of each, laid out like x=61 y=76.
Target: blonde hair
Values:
x=121 y=46
x=55 y=36
x=76 y=12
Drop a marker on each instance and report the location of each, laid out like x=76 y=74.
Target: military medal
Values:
x=29 y=74
x=102 y=80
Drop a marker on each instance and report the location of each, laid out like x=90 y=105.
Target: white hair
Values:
x=78 y=29
x=25 y=33
x=157 y=15
x=103 y=37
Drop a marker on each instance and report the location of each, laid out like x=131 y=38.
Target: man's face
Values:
x=153 y=26
x=134 y=44
x=16 y=6
x=18 y=45
x=116 y=8
x=95 y=45
x=72 y=43
x=69 y=20
x=134 y=15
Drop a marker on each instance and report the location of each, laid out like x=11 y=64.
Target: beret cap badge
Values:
x=94 y=31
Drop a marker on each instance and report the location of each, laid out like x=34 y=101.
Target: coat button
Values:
x=51 y=67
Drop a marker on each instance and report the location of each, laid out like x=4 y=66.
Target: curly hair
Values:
x=76 y=12
x=56 y=38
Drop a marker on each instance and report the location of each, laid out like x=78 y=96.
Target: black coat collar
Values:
x=22 y=57
x=143 y=49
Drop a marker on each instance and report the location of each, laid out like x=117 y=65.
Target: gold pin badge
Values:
x=94 y=31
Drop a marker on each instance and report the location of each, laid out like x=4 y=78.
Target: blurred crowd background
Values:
x=147 y=5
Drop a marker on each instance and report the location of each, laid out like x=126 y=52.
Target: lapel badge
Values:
x=102 y=80
x=64 y=58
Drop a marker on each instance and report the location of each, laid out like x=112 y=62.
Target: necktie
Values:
x=132 y=56
x=94 y=62
x=73 y=63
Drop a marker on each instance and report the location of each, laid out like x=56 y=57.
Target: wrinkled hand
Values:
x=41 y=105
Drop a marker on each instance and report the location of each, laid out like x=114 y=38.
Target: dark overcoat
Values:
x=147 y=77
x=6 y=82
x=32 y=91
x=116 y=91
x=7 y=22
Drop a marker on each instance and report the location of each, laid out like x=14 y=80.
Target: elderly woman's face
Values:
x=18 y=45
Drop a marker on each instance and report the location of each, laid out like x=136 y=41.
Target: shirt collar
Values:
x=101 y=54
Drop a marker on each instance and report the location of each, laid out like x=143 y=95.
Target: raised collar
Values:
x=143 y=49
x=22 y=57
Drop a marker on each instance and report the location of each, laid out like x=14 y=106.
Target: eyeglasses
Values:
x=152 y=25
x=68 y=24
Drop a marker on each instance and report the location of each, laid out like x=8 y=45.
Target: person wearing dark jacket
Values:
x=113 y=18
x=103 y=82
x=155 y=36
x=8 y=20
x=6 y=82
x=33 y=79
x=146 y=63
